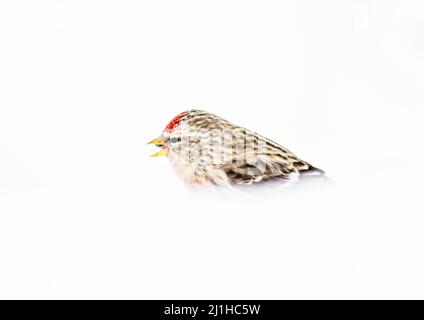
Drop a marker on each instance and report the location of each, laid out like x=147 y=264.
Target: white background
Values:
x=85 y=213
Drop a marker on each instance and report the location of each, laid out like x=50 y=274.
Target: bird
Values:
x=204 y=148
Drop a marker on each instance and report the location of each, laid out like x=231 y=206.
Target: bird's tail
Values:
x=311 y=171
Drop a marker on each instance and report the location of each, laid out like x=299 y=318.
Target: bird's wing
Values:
x=265 y=161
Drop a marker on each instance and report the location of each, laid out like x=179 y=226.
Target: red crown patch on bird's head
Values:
x=174 y=122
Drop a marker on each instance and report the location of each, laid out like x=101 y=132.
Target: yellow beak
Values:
x=160 y=153
x=157 y=142
x=160 y=143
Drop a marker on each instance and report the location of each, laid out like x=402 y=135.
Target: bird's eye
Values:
x=175 y=139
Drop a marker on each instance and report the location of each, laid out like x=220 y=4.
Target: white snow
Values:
x=84 y=211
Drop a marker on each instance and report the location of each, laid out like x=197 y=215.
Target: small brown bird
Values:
x=204 y=148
